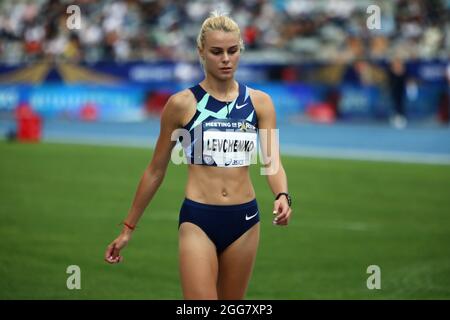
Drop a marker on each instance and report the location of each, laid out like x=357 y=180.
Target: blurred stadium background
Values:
x=363 y=117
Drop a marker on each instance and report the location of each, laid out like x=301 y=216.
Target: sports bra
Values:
x=221 y=134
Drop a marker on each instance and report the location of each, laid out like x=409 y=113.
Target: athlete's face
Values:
x=221 y=53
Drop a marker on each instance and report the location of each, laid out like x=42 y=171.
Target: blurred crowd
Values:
x=273 y=30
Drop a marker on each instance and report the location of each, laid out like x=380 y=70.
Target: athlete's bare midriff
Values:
x=219 y=186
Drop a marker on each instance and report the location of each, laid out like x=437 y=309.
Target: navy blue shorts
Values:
x=222 y=224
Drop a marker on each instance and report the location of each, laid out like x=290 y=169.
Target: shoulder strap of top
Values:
x=198 y=92
x=245 y=92
x=241 y=90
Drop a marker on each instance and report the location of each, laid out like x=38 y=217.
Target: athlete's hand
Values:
x=112 y=254
x=281 y=211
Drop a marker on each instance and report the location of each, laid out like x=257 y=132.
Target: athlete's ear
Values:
x=200 y=53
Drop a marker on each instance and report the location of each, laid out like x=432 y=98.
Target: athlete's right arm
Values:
x=151 y=179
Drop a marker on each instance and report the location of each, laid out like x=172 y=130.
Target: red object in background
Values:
x=251 y=33
x=444 y=109
x=321 y=112
x=29 y=124
x=33 y=47
x=289 y=74
x=156 y=101
x=333 y=99
x=89 y=112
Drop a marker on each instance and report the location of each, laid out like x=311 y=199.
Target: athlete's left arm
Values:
x=268 y=137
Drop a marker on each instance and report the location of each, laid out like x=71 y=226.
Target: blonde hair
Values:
x=218 y=21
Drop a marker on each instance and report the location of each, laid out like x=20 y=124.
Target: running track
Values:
x=419 y=143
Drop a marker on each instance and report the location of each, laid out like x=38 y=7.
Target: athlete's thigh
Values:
x=236 y=265
x=198 y=263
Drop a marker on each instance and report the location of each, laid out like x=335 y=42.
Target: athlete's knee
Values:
x=230 y=294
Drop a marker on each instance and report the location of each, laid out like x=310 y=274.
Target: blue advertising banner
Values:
x=128 y=91
x=114 y=103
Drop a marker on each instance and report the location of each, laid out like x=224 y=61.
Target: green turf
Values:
x=60 y=206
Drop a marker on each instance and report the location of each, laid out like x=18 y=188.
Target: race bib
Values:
x=229 y=142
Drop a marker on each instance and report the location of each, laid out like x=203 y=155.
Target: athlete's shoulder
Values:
x=181 y=99
x=259 y=97
x=178 y=107
x=262 y=102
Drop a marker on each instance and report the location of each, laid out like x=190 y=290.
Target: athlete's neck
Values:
x=223 y=90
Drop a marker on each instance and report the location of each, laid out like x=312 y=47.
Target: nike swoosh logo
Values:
x=252 y=216
x=241 y=106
